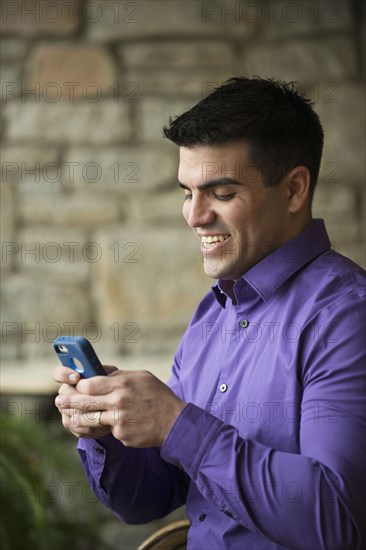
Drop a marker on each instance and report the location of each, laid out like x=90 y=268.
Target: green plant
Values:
x=45 y=500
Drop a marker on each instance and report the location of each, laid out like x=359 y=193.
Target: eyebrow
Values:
x=212 y=183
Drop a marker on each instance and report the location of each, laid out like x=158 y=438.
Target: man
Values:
x=260 y=431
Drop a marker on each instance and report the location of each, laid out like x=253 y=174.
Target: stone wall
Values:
x=93 y=238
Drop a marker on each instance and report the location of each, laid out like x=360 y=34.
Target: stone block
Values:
x=344 y=231
x=121 y=342
x=31 y=155
x=71 y=71
x=12 y=49
x=8 y=352
x=177 y=54
x=356 y=251
x=36 y=311
x=286 y=18
x=158 y=209
x=7 y=223
x=170 y=82
x=322 y=59
x=40 y=17
x=338 y=205
x=12 y=53
x=10 y=85
x=75 y=210
x=32 y=169
x=63 y=255
x=343 y=119
x=155 y=112
x=30 y=304
x=335 y=200
x=152 y=343
x=99 y=123
x=173 y=68
x=181 y=18
x=151 y=279
x=120 y=170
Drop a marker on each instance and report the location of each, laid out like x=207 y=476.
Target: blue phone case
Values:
x=77 y=353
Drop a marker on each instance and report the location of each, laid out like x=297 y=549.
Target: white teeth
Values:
x=209 y=239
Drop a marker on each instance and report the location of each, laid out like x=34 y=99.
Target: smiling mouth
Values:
x=213 y=244
x=212 y=239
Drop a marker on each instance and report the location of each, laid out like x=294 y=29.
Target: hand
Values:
x=137 y=408
x=69 y=378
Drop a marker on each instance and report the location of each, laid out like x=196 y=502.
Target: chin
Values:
x=217 y=271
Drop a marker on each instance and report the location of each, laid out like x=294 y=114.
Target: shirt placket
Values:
x=230 y=336
x=233 y=335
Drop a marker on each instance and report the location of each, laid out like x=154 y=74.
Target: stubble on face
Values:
x=251 y=216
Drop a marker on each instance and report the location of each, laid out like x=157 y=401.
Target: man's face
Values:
x=236 y=218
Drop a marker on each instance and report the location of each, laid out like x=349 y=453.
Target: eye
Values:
x=186 y=197
x=224 y=197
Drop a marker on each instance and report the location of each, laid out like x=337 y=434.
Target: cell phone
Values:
x=77 y=353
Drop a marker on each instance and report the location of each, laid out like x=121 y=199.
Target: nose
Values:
x=198 y=212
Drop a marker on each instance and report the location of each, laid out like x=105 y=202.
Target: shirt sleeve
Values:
x=314 y=499
x=136 y=484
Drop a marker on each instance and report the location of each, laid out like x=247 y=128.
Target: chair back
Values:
x=171 y=537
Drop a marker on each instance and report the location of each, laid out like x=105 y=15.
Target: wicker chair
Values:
x=170 y=537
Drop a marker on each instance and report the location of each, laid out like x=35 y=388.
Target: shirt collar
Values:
x=276 y=268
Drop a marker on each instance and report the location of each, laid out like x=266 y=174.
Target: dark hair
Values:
x=278 y=124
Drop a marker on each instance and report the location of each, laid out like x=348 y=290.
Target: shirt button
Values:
x=202 y=517
x=244 y=323
x=223 y=388
x=99 y=450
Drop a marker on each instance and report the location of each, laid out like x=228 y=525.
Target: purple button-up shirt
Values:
x=270 y=451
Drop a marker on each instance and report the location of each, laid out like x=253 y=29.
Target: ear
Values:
x=298 y=189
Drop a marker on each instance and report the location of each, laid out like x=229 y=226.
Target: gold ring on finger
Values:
x=97 y=416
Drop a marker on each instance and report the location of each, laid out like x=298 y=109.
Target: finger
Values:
x=66 y=390
x=90 y=423
x=74 y=418
x=101 y=385
x=65 y=375
x=80 y=404
x=119 y=415
x=69 y=413
x=69 y=398
x=79 y=430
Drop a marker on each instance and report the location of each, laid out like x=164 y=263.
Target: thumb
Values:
x=110 y=369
